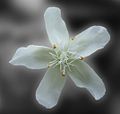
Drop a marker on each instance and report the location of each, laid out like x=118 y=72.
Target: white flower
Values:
x=64 y=59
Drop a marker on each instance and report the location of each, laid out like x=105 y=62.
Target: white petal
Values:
x=83 y=76
x=50 y=88
x=34 y=57
x=90 y=40
x=56 y=28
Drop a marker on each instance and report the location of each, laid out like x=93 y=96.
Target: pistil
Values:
x=62 y=58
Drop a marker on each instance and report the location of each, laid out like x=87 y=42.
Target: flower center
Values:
x=62 y=58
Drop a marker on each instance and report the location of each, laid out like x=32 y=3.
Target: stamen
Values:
x=62 y=58
x=53 y=55
x=49 y=66
x=70 y=63
x=52 y=63
x=63 y=73
x=54 y=46
x=81 y=58
x=68 y=67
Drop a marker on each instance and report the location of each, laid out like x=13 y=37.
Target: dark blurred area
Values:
x=22 y=24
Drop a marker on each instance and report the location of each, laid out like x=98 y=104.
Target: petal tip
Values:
x=102 y=30
x=51 y=10
x=11 y=61
x=43 y=102
x=101 y=95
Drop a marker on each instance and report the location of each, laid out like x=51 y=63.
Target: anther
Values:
x=63 y=74
x=81 y=58
x=54 y=46
x=48 y=66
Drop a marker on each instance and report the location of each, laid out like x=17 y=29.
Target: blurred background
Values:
x=22 y=24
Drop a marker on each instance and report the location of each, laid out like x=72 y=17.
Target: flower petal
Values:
x=90 y=40
x=34 y=57
x=83 y=76
x=48 y=92
x=56 y=28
